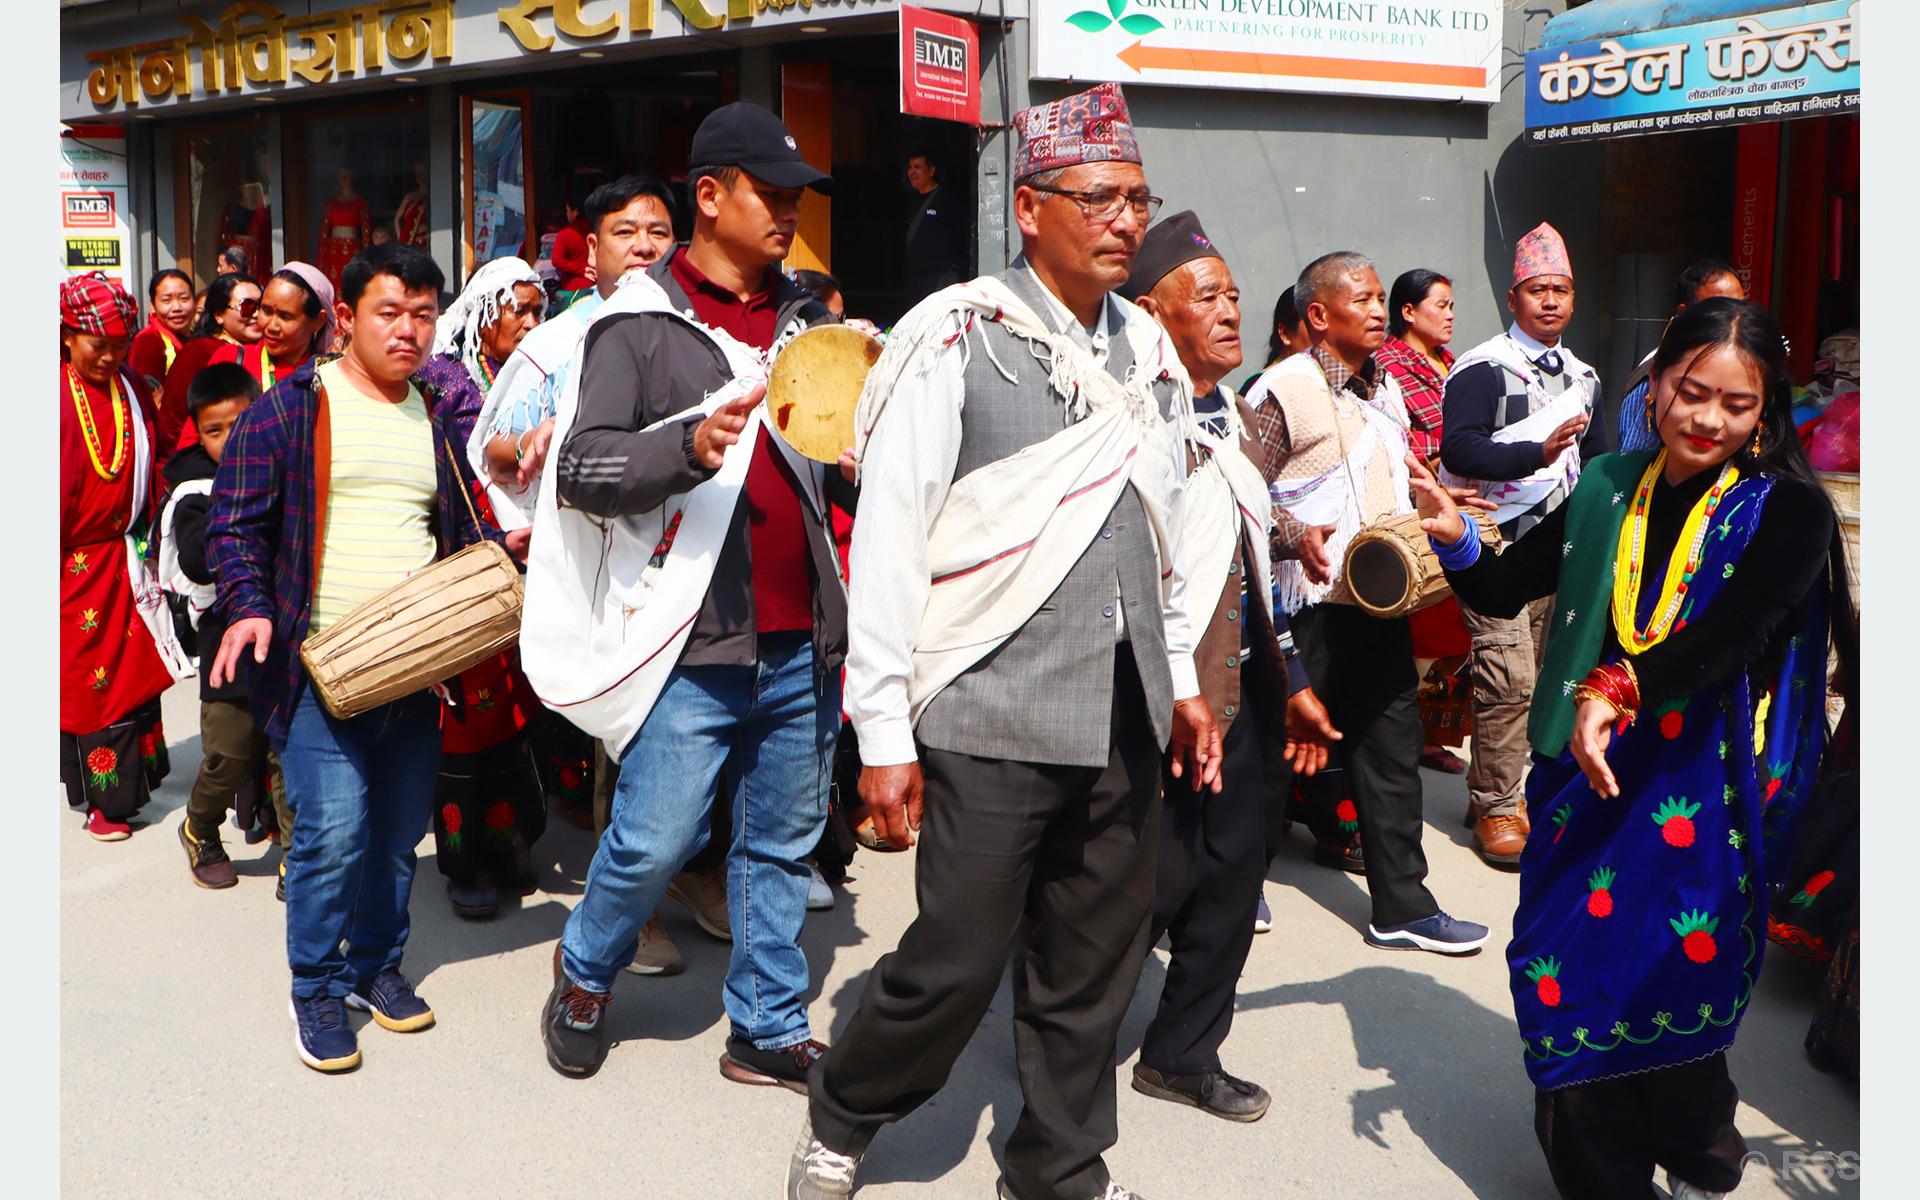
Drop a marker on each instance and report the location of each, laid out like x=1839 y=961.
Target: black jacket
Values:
x=190 y=537
x=640 y=368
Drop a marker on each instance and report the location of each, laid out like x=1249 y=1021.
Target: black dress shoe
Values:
x=475 y=901
x=1214 y=1092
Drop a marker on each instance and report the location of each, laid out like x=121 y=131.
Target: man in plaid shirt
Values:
x=337 y=484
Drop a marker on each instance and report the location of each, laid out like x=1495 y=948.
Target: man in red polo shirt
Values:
x=752 y=703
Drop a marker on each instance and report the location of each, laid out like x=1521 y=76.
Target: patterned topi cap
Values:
x=1542 y=252
x=1088 y=127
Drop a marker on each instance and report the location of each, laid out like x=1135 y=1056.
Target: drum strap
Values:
x=461 y=484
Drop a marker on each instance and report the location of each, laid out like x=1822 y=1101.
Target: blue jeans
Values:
x=362 y=796
x=766 y=733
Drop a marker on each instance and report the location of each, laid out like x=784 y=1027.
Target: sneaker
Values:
x=102 y=828
x=320 y=1034
x=1214 y=1092
x=1682 y=1190
x=656 y=955
x=1439 y=933
x=819 y=895
x=1263 y=916
x=1114 y=1192
x=817 y=1173
x=207 y=859
x=705 y=896
x=476 y=901
x=573 y=1025
x=785 y=1068
x=391 y=1000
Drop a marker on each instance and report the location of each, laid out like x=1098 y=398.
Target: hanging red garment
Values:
x=109 y=664
x=344 y=229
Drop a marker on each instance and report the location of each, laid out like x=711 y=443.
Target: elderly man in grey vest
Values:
x=1018 y=659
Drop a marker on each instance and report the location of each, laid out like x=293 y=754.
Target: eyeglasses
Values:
x=247 y=308
x=1104 y=204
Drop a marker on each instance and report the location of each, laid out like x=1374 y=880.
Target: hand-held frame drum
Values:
x=814 y=387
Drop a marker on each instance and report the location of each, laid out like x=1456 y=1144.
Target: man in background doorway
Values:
x=936 y=233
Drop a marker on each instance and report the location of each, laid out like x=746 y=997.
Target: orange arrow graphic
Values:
x=1143 y=58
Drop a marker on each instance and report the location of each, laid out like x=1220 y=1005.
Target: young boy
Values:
x=233 y=750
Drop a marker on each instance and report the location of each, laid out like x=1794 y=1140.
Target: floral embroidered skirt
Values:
x=115 y=769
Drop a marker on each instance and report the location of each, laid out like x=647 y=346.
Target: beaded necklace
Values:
x=122 y=432
x=1630 y=570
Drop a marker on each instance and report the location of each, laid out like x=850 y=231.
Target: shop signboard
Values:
x=1447 y=50
x=1798 y=61
x=94 y=235
x=939 y=66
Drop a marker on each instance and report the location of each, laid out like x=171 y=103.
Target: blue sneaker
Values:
x=320 y=1034
x=391 y=1000
x=1439 y=933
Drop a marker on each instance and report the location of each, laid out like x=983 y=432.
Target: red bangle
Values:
x=1617 y=685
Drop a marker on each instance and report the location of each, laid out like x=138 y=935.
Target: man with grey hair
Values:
x=1016 y=664
x=1342 y=425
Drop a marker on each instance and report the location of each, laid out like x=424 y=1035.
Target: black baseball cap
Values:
x=745 y=135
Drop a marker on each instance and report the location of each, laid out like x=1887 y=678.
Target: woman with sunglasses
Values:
x=1677 y=729
x=489 y=807
x=230 y=320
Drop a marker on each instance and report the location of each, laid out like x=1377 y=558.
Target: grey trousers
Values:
x=1505 y=661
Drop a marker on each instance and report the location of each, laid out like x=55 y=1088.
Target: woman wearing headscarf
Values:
x=118 y=652
x=489 y=809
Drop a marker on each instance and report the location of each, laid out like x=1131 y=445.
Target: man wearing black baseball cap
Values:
x=751 y=701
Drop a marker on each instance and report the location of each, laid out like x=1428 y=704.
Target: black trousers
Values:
x=1603 y=1140
x=1213 y=855
x=1075 y=849
x=1362 y=669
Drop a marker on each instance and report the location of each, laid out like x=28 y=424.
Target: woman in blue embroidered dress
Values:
x=1677 y=728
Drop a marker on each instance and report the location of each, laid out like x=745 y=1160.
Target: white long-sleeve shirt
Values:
x=907 y=468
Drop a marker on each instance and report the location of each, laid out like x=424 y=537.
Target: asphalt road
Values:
x=1394 y=1075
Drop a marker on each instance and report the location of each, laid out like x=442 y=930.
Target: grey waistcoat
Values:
x=1046 y=695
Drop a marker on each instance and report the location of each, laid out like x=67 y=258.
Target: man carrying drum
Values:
x=1213 y=844
x=685 y=604
x=1344 y=435
x=340 y=483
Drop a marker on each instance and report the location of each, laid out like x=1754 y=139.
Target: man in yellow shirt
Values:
x=341 y=482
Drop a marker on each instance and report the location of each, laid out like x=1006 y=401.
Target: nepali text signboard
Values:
x=1773 y=66
x=1431 y=51
x=939 y=66
x=94 y=234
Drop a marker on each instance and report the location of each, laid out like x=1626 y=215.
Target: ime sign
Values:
x=939 y=60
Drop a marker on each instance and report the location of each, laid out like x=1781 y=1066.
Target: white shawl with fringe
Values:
x=610 y=602
x=1008 y=533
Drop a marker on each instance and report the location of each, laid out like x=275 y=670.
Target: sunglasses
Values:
x=247 y=308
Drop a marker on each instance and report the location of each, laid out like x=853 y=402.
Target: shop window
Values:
x=222 y=174
x=498 y=201
x=355 y=176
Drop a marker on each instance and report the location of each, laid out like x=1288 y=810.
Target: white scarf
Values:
x=1224 y=494
x=148 y=600
x=1009 y=532
x=1334 y=496
x=610 y=603
x=477 y=307
x=1545 y=414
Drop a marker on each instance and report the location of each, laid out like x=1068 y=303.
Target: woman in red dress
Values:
x=410 y=216
x=170 y=316
x=117 y=649
x=229 y=321
x=345 y=227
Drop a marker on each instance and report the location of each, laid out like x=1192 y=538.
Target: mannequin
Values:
x=345 y=227
x=248 y=224
x=410 y=218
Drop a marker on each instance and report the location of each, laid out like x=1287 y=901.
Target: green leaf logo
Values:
x=1139 y=24
x=1094 y=21
x=1089 y=22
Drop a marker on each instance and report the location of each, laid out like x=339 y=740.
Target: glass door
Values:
x=498 y=201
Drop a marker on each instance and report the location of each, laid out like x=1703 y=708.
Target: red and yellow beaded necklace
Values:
x=1630 y=566
x=122 y=425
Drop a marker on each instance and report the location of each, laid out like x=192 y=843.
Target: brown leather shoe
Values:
x=1500 y=839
